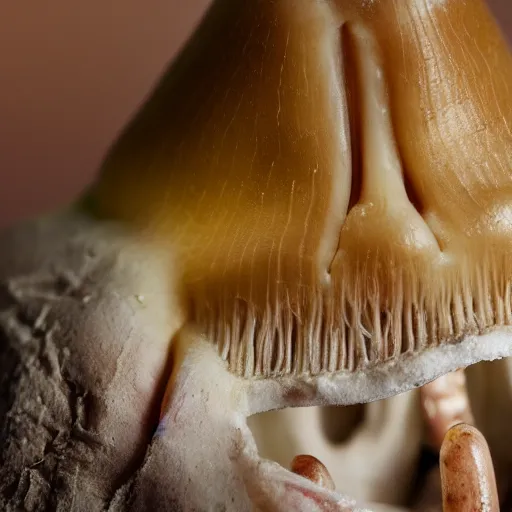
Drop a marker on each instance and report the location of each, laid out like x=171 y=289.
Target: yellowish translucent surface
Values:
x=335 y=178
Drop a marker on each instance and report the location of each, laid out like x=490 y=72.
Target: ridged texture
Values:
x=354 y=328
x=333 y=177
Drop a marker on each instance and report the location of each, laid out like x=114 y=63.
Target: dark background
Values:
x=71 y=74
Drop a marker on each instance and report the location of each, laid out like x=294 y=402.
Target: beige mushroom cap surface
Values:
x=334 y=177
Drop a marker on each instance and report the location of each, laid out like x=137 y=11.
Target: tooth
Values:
x=467 y=472
x=311 y=468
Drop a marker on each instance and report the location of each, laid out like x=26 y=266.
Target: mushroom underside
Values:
x=331 y=206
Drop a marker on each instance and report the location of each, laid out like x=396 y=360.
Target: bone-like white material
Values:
x=203 y=432
x=86 y=314
x=385 y=380
x=389 y=435
x=205 y=419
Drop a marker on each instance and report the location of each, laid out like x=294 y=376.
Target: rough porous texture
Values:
x=84 y=337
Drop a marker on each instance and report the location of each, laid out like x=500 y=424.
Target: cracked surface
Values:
x=83 y=362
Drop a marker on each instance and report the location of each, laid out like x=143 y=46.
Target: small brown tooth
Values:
x=467 y=473
x=311 y=468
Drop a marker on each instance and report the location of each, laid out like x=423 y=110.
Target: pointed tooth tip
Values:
x=311 y=468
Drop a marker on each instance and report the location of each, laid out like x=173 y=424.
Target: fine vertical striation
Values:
x=334 y=178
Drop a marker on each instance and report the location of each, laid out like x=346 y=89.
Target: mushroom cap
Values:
x=334 y=178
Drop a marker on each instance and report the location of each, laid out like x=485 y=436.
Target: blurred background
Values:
x=71 y=75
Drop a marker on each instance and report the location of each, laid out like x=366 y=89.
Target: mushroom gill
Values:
x=334 y=178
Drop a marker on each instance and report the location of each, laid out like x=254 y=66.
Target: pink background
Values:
x=71 y=74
